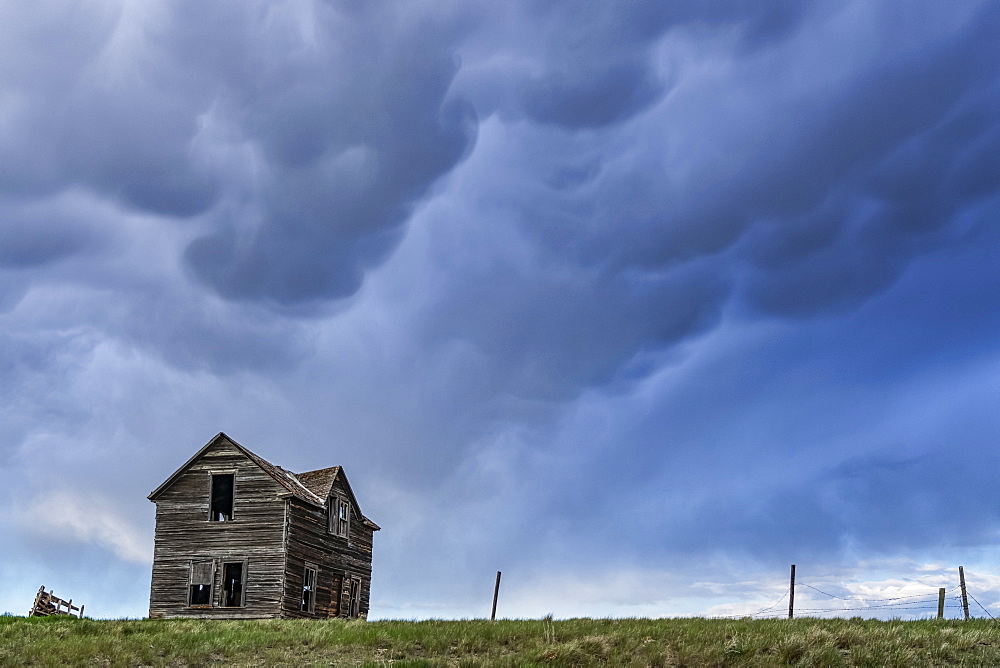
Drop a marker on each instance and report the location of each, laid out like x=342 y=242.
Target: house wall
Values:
x=184 y=533
x=309 y=541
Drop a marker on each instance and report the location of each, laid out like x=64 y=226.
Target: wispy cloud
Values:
x=64 y=519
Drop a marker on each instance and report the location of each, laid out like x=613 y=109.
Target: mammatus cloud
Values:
x=299 y=143
x=618 y=267
x=772 y=186
x=342 y=155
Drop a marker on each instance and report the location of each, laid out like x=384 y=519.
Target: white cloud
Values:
x=65 y=517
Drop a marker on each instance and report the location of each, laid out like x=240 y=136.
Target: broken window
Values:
x=339 y=516
x=200 y=585
x=355 y=597
x=332 y=511
x=309 y=589
x=233 y=574
x=222 y=497
x=344 y=519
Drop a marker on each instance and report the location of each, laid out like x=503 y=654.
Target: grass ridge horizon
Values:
x=687 y=641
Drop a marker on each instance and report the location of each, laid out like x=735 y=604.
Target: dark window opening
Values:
x=232 y=584
x=200 y=583
x=201 y=594
x=222 y=498
x=309 y=590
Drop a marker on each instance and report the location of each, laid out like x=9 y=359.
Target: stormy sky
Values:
x=638 y=302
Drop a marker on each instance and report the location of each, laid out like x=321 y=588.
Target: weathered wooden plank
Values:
x=273 y=533
x=47 y=604
x=184 y=534
x=339 y=559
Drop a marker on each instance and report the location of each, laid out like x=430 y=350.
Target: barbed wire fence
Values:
x=942 y=600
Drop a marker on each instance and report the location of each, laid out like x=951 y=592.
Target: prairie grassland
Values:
x=574 y=642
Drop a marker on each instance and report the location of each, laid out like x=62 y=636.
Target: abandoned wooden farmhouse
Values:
x=238 y=537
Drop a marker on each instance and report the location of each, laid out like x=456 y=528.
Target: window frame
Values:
x=309 y=607
x=335 y=524
x=211 y=582
x=344 y=523
x=354 y=605
x=211 y=489
x=337 y=593
x=243 y=583
x=332 y=508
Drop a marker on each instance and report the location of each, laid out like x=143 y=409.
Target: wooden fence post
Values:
x=496 y=593
x=791 y=594
x=941 y=603
x=965 y=595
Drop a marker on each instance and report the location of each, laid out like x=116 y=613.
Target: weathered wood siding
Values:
x=309 y=541
x=184 y=533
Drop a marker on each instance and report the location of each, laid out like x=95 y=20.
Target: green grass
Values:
x=574 y=642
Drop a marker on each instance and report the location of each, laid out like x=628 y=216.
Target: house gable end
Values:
x=333 y=481
x=166 y=484
x=340 y=482
x=193 y=531
x=284 y=478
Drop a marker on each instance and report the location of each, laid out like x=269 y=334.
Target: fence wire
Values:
x=926 y=602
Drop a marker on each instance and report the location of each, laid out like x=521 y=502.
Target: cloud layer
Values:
x=566 y=287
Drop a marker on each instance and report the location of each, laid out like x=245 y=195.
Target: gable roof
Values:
x=320 y=482
x=313 y=487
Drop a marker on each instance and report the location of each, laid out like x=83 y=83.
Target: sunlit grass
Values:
x=574 y=642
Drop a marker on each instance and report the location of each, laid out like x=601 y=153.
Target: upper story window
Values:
x=339 y=516
x=344 y=519
x=221 y=509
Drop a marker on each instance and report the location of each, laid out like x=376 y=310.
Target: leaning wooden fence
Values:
x=46 y=604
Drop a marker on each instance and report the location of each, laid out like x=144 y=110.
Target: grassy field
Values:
x=575 y=642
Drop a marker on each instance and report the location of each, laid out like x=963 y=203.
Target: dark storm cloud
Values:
x=33 y=247
x=598 y=67
x=83 y=115
x=814 y=192
x=822 y=155
x=616 y=268
x=33 y=235
x=333 y=158
x=827 y=440
x=611 y=95
x=345 y=153
x=929 y=159
x=194 y=335
x=12 y=291
x=35 y=365
x=552 y=340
